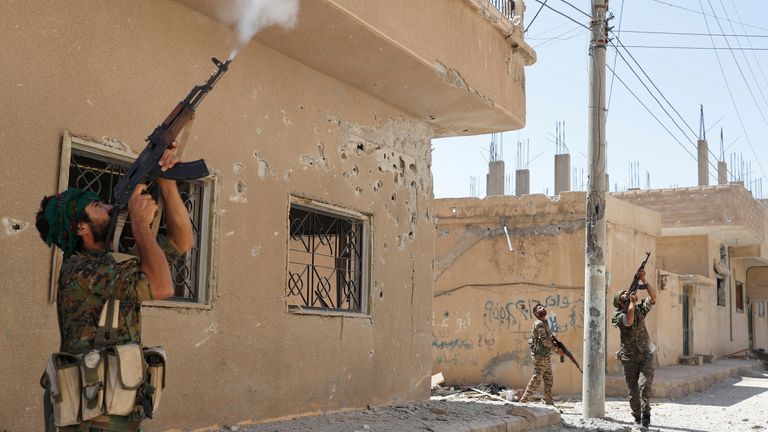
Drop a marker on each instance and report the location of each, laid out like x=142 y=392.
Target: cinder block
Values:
x=515 y=424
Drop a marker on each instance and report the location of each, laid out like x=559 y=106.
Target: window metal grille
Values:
x=325 y=260
x=506 y=7
x=739 y=296
x=100 y=173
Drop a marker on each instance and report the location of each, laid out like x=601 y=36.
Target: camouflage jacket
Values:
x=87 y=278
x=634 y=340
x=541 y=339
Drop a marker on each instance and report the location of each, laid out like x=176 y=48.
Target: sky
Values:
x=734 y=98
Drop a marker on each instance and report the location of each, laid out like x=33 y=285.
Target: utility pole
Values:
x=593 y=385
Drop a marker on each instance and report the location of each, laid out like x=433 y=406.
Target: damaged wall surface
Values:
x=280 y=128
x=484 y=293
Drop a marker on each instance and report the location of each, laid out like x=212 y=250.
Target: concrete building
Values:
x=310 y=286
x=714 y=238
x=708 y=262
x=485 y=292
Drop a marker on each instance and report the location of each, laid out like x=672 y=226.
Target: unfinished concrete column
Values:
x=522 y=182
x=494 y=180
x=722 y=173
x=562 y=173
x=703 y=163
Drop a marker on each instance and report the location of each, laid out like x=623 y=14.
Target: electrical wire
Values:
x=534 y=17
x=735 y=107
x=696 y=48
x=615 y=58
x=544 y=4
x=692 y=34
x=579 y=10
x=704 y=13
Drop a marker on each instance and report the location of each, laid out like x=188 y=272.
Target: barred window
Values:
x=739 y=296
x=326 y=259
x=98 y=168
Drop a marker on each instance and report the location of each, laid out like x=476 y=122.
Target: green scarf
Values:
x=62 y=212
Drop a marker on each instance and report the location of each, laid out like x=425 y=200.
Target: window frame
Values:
x=366 y=268
x=121 y=152
x=738 y=290
x=721 y=286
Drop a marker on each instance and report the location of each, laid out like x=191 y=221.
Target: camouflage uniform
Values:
x=86 y=279
x=636 y=357
x=541 y=349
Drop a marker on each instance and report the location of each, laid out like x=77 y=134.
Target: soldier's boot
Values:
x=637 y=418
x=526 y=397
x=646 y=420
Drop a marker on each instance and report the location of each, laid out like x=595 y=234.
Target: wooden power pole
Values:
x=593 y=386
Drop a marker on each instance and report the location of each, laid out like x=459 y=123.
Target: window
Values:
x=327 y=255
x=739 y=296
x=723 y=254
x=761 y=309
x=721 y=291
x=98 y=168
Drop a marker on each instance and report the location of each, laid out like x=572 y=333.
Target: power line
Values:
x=692 y=34
x=579 y=10
x=696 y=48
x=730 y=93
x=615 y=58
x=534 y=17
x=544 y=4
x=663 y=97
x=652 y=114
x=749 y=42
x=704 y=13
x=744 y=55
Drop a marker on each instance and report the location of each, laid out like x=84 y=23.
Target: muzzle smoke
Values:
x=250 y=16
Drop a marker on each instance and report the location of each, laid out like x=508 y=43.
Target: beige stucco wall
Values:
x=484 y=293
x=665 y=323
x=757 y=283
x=273 y=127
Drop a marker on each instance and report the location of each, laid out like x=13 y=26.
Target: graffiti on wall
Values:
x=460 y=340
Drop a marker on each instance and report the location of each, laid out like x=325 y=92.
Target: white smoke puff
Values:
x=250 y=16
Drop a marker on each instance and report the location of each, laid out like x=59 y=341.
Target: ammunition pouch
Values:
x=122 y=380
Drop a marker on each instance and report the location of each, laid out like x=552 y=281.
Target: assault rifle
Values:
x=146 y=168
x=565 y=351
x=635 y=285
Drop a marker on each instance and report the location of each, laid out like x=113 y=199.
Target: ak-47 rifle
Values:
x=635 y=285
x=146 y=167
x=566 y=352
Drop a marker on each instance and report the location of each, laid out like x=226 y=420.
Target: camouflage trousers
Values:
x=638 y=374
x=542 y=371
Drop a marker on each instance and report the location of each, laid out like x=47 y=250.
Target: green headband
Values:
x=61 y=213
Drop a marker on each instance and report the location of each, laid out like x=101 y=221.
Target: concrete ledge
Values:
x=674 y=382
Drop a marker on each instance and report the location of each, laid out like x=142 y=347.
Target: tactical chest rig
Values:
x=111 y=379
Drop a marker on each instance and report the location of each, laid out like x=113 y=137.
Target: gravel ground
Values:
x=734 y=405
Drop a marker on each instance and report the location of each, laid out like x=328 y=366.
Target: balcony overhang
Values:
x=447 y=63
